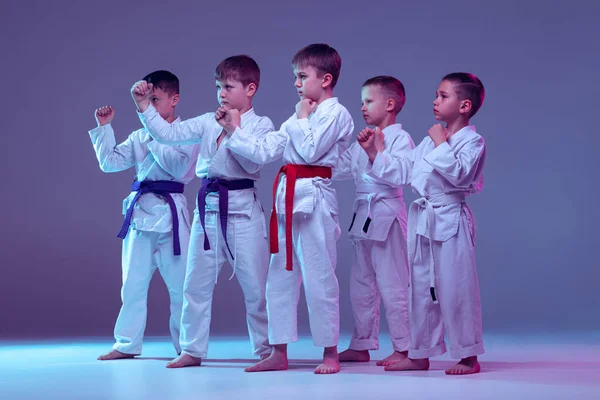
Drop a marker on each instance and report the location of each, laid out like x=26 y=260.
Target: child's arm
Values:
x=384 y=166
x=176 y=160
x=264 y=127
x=399 y=148
x=260 y=150
x=112 y=158
x=312 y=141
x=458 y=168
x=230 y=120
x=343 y=170
x=187 y=132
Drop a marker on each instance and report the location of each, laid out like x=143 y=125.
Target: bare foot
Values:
x=115 y=355
x=355 y=356
x=184 y=360
x=264 y=356
x=331 y=362
x=408 y=364
x=466 y=366
x=393 y=358
x=277 y=361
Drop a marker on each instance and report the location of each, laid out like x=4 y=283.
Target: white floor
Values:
x=514 y=367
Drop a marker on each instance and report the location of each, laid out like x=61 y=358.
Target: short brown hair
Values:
x=164 y=80
x=322 y=57
x=241 y=68
x=467 y=87
x=392 y=87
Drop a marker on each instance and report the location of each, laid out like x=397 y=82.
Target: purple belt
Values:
x=164 y=190
x=221 y=186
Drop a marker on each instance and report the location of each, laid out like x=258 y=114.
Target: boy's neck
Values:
x=325 y=95
x=389 y=120
x=171 y=118
x=456 y=125
x=246 y=108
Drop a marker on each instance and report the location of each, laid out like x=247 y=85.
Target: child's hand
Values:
x=379 y=139
x=104 y=115
x=140 y=91
x=228 y=118
x=366 y=139
x=438 y=134
x=220 y=113
x=305 y=107
x=364 y=135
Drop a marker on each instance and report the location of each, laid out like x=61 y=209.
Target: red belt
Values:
x=292 y=171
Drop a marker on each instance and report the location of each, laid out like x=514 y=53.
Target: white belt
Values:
x=428 y=204
x=371 y=193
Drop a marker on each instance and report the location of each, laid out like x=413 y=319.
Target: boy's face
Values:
x=307 y=82
x=446 y=106
x=375 y=105
x=232 y=93
x=164 y=103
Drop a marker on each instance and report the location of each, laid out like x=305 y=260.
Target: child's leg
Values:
x=364 y=297
x=315 y=237
x=172 y=269
x=248 y=241
x=426 y=327
x=390 y=263
x=203 y=267
x=283 y=292
x=459 y=299
x=138 y=267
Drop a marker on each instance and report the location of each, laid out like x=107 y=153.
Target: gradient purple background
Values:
x=537 y=217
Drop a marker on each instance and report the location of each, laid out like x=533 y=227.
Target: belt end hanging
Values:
x=352 y=223
x=433 y=296
x=365 y=227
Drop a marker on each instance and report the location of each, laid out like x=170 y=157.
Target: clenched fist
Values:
x=104 y=115
x=305 y=107
x=228 y=118
x=140 y=91
x=366 y=139
x=438 y=134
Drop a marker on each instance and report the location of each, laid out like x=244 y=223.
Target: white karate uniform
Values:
x=318 y=140
x=379 y=263
x=441 y=242
x=246 y=229
x=149 y=241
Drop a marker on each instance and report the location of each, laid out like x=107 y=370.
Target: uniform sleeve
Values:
x=262 y=129
x=392 y=170
x=461 y=168
x=343 y=171
x=262 y=150
x=185 y=133
x=176 y=160
x=389 y=163
x=112 y=157
x=313 y=139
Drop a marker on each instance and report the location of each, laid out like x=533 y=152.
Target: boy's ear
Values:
x=390 y=104
x=326 y=80
x=466 y=106
x=174 y=99
x=251 y=89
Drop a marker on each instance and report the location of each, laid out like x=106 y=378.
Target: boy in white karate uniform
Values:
x=156 y=227
x=444 y=168
x=229 y=226
x=304 y=222
x=378 y=229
